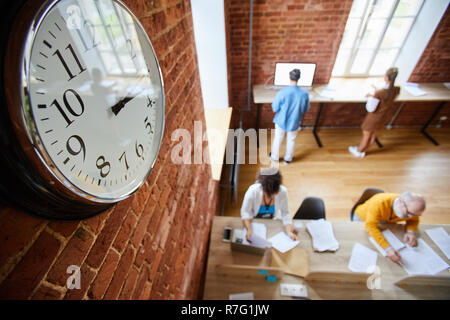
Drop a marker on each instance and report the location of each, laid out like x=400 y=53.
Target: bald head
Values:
x=414 y=202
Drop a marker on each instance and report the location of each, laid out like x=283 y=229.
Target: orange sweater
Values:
x=380 y=208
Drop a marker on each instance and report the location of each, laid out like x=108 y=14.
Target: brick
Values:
x=109 y=231
x=140 y=199
x=46 y=293
x=142 y=279
x=119 y=276
x=73 y=254
x=140 y=229
x=17 y=229
x=31 y=269
x=96 y=223
x=125 y=231
x=64 y=228
x=129 y=285
x=104 y=276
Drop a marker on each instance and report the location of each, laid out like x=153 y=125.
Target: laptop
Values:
x=282 y=69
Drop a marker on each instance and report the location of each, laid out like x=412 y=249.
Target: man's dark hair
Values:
x=294 y=75
x=270 y=179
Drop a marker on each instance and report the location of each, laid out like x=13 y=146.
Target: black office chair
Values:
x=311 y=208
x=366 y=195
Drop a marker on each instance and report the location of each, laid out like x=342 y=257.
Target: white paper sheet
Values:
x=321 y=232
x=282 y=242
x=422 y=260
x=328 y=92
x=441 y=239
x=394 y=242
x=414 y=89
x=363 y=259
x=260 y=229
x=293 y=290
x=258 y=238
x=372 y=104
x=241 y=296
x=376 y=245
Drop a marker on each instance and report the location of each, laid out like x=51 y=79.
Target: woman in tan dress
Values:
x=376 y=120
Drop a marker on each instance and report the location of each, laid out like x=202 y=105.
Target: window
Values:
x=374 y=34
x=110 y=29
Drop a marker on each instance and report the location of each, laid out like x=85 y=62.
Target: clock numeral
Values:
x=68 y=107
x=90 y=30
x=150 y=102
x=81 y=146
x=103 y=164
x=139 y=150
x=124 y=156
x=148 y=125
x=130 y=49
x=61 y=58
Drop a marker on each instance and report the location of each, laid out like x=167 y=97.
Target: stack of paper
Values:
x=413 y=89
x=363 y=259
x=441 y=238
x=322 y=235
x=282 y=242
x=418 y=260
x=392 y=239
x=422 y=260
x=258 y=238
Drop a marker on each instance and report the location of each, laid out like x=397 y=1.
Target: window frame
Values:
x=366 y=17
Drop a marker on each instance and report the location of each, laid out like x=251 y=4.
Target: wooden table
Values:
x=355 y=91
x=219 y=286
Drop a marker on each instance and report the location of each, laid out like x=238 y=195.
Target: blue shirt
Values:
x=290 y=104
x=266 y=212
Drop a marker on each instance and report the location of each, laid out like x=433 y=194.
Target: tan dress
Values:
x=376 y=120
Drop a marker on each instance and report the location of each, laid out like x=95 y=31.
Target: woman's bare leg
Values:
x=365 y=141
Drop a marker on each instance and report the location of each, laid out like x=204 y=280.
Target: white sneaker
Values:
x=354 y=151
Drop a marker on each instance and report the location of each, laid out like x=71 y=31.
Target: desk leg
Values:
x=258 y=113
x=378 y=143
x=315 y=126
x=440 y=106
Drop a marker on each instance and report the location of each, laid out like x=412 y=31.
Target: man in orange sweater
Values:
x=392 y=208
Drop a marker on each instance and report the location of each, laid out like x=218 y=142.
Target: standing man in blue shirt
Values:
x=290 y=104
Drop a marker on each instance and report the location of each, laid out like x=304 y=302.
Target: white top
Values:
x=252 y=202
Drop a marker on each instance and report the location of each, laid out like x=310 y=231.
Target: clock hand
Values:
x=119 y=105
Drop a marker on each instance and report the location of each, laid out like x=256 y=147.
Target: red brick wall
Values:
x=434 y=65
x=283 y=31
x=311 y=31
x=150 y=246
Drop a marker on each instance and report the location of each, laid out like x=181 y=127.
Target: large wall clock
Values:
x=84 y=114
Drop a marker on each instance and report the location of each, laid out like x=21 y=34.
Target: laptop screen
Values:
x=282 y=70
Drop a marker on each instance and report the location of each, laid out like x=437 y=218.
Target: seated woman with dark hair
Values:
x=267 y=199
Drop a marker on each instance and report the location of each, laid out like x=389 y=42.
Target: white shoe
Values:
x=354 y=151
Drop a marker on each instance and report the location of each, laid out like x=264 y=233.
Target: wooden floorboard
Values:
x=407 y=162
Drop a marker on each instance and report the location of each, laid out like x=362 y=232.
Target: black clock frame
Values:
x=21 y=183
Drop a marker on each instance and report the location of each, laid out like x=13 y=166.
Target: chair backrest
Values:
x=311 y=208
x=366 y=195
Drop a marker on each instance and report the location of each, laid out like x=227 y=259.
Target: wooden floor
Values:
x=407 y=162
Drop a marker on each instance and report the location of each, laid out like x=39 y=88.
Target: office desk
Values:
x=355 y=93
x=219 y=286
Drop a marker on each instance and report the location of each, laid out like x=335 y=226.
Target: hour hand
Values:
x=120 y=104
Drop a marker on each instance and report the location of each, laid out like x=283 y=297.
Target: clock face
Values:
x=95 y=98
